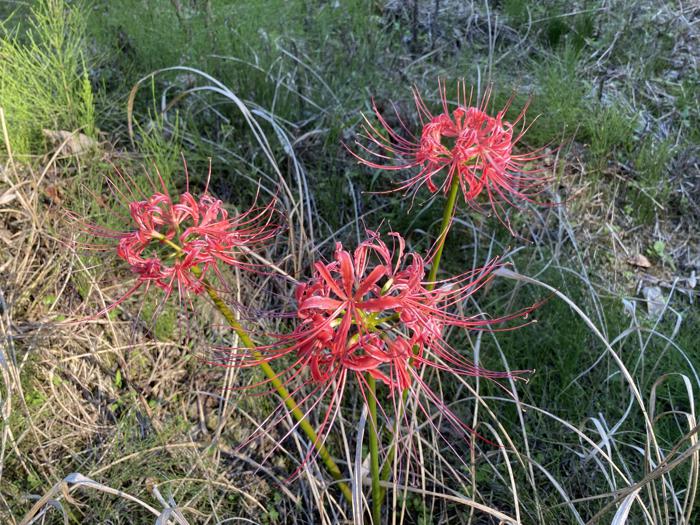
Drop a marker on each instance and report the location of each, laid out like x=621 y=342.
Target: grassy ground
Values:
x=606 y=425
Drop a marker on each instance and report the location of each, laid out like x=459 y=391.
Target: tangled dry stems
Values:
x=85 y=392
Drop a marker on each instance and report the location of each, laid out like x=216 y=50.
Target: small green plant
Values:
x=611 y=132
x=35 y=398
x=658 y=250
x=273 y=515
x=163 y=316
x=118 y=381
x=651 y=189
x=516 y=10
x=561 y=100
x=160 y=141
x=43 y=75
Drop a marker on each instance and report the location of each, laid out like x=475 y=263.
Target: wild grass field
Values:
x=123 y=418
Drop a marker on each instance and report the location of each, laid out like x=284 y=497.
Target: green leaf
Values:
x=48 y=300
x=660 y=248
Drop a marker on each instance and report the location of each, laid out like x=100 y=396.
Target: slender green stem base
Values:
x=447 y=214
x=377 y=493
x=276 y=382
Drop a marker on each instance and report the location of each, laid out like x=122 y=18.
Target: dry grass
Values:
x=103 y=424
x=103 y=400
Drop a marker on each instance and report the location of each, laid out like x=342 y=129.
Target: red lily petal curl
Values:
x=169 y=237
x=371 y=312
x=465 y=142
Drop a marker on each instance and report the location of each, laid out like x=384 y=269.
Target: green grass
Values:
x=303 y=66
x=611 y=130
x=561 y=100
x=560 y=347
x=315 y=67
x=44 y=80
x=653 y=163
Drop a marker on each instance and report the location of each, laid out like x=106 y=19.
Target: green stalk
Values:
x=444 y=228
x=289 y=401
x=377 y=493
x=447 y=214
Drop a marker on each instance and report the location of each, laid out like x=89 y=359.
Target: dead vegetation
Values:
x=103 y=400
x=104 y=423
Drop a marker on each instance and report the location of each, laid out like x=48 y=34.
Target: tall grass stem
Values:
x=377 y=492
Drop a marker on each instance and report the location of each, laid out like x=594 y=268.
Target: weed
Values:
x=562 y=100
x=43 y=75
x=651 y=191
x=611 y=132
x=658 y=251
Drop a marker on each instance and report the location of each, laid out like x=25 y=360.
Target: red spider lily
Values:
x=175 y=244
x=370 y=312
x=465 y=143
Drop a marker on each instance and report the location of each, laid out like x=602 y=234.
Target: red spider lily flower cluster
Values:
x=465 y=143
x=199 y=232
x=175 y=244
x=371 y=312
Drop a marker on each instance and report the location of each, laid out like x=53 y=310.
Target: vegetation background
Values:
x=605 y=430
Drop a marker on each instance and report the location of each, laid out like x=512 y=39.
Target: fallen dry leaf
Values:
x=75 y=143
x=53 y=194
x=7 y=197
x=639 y=260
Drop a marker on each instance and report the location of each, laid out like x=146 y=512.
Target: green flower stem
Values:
x=289 y=401
x=377 y=492
x=447 y=214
